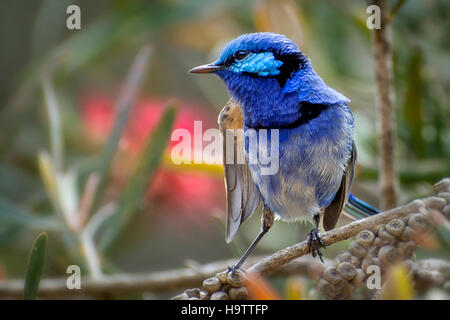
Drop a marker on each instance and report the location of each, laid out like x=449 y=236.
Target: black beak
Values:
x=207 y=68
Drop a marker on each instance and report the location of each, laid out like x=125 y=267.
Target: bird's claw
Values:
x=232 y=269
x=315 y=242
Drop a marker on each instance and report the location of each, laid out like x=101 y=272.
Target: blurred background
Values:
x=84 y=151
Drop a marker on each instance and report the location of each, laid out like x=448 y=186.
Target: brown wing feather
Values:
x=333 y=211
x=243 y=197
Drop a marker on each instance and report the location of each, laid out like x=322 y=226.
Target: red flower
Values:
x=175 y=191
x=98 y=116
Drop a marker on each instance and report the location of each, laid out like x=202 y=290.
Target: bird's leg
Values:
x=266 y=222
x=314 y=240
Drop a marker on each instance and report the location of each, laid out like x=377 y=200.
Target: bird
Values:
x=273 y=86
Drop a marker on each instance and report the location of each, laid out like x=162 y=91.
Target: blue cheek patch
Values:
x=264 y=64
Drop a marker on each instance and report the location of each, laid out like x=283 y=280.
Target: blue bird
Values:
x=274 y=86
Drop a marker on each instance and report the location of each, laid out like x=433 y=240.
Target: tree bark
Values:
x=386 y=132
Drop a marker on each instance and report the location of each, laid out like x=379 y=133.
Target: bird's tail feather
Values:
x=358 y=209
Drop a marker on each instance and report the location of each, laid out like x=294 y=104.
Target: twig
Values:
x=87 y=198
x=87 y=242
x=352 y=229
x=92 y=257
x=386 y=127
x=394 y=10
x=164 y=281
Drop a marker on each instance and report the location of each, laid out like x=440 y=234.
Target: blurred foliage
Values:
x=35 y=267
x=53 y=170
x=398 y=285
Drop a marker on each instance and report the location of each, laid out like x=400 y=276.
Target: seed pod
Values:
x=357 y=250
x=344 y=257
x=395 y=227
x=407 y=234
x=385 y=235
x=426 y=279
x=376 y=228
x=373 y=250
x=212 y=284
x=238 y=293
x=222 y=276
x=236 y=279
x=387 y=254
x=365 y=238
x=446 y=211
x=406 y=248
x=346 y=270
x=355 y=261
x=359 y=278
x=219 y=295
x=378 y=242
x=203 y=295
x=181 y=296
x=435 y=203
x=332 y=275
x=343 y=288
x=226 y=287
x=445 y=195
x=442 y=186
x=194 y=292
x=324 y=286
x=417 y=222
x=369 y=261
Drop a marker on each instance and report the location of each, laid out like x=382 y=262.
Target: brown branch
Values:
x=283 y=262
x=352 y=229
x=155 y=282
x=386 y=126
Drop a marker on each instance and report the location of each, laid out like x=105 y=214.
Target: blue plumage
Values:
x=314 y=154
x=276 y=87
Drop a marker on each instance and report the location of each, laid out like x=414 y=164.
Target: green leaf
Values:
x=54 y=120
x=15 y=215
x=35 y=267
x=124 y=106
x=137 y=185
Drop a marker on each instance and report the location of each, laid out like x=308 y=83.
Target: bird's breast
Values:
x=312 y=158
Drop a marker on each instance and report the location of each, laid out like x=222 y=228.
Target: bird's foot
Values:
x=315 y=242
x=232 y=269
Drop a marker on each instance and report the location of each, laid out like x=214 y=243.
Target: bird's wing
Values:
x=243 y=197
x=333 y=211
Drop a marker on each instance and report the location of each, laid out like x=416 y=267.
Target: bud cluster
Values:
x=224 y=285
x=382 y=246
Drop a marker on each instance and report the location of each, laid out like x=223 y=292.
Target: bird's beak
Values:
x=207 y=68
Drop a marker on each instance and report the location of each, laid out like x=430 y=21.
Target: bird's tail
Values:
x=358 y=209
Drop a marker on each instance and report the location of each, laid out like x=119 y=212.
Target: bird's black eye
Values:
x=240 y=55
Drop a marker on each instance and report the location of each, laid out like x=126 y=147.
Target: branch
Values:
x=350 y=230
x=386 y=125
x=155 y=282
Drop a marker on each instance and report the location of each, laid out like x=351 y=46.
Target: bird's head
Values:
x=256 y=58
x=267 y=73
